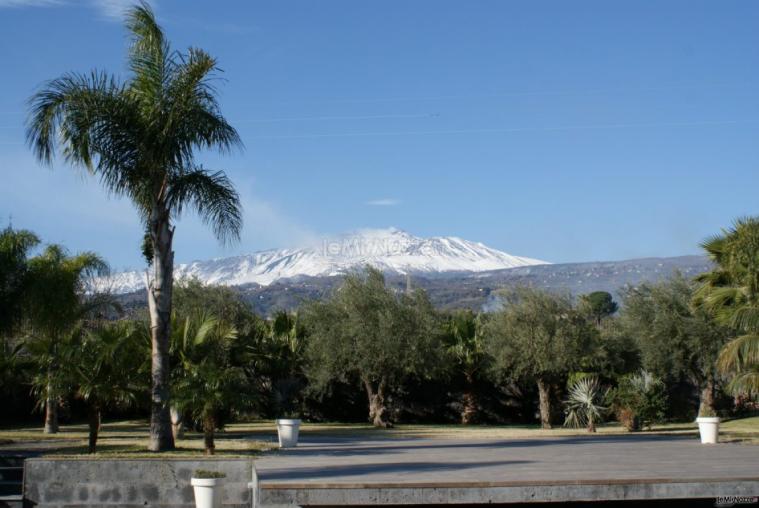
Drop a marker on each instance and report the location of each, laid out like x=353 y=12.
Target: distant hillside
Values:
x=478 y=290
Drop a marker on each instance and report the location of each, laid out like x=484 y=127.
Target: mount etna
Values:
x=455 y=272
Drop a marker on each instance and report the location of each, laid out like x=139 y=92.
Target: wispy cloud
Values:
x=383 y=202
x=29 y=3
x=111 y=9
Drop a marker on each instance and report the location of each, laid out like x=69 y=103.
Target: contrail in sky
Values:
x=509 y=129
x=351 y=117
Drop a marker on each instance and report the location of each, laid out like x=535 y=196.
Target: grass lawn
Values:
x=129 y=438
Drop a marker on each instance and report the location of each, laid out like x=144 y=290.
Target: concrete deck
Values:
x=355 y=472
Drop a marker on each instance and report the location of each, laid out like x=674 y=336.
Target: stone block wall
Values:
x=129 y=483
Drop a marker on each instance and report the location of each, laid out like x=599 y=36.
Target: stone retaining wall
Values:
x=128 y=483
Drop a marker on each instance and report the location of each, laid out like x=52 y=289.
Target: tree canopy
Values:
x=541 y=337
x=367 y=333
x=731 y=292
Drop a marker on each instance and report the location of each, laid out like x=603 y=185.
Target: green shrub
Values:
x=204 y=474
x=639 y=400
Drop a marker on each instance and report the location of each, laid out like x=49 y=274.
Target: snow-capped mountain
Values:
x=390 y=250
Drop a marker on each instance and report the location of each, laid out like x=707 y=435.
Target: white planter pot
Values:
x=207 y=492
x=708 y=427
x=288 y=433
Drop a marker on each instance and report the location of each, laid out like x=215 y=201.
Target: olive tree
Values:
x=538 y=336
x=367 y=333
x=677 y=340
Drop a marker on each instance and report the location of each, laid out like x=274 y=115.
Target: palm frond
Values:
x=746 y=382
x=739 y=354
x=149 y=57
x=583 y=407
x=212 y=196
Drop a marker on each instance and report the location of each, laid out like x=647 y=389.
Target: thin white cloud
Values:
x=114 y=9
x=384 y=202
x=29 y=3
x=111 y=9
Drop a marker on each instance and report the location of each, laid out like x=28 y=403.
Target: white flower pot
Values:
x=288 y=433
x=708 y=427
x=207 y=492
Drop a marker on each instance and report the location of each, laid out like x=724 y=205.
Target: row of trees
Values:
x=381 y=340
x=65 y=341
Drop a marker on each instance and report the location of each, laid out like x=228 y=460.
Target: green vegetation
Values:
x=202 y=473
x=583 y=406
x=207 y=381
x=598 y=305
x=639 y=400
x=364 y=346
x=678 y=341
x=104 y=375
x=540 y=337
x=368 y=334
x=55 y=306
x=465 y=344
x=731 y=292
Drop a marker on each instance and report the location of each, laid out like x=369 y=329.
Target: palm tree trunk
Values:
x=177 y=422
x=51 y=408
x=469 y=409
x=209 y=426
x=544 y=393
x=94 y=424
x=706 y=405
x=159 y=305
x=51 y=415
x=377 y=408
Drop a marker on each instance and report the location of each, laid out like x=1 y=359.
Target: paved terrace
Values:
x=332 y=471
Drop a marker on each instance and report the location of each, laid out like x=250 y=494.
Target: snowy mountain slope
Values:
x=390 y=250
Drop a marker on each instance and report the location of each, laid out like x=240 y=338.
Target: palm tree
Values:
x=139 y=138
x=187 y=338
x=14 y=251
x=100 y=365
x=289 y=346
x=584 y=404
x=731 y=292
x=56 y=302
x=206 y=382
x=466 y=347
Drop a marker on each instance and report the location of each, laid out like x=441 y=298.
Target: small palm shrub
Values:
x=207 y=383
x=639 y=400
x=584 y=405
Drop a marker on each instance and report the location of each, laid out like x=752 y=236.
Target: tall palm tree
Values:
x=56 y=302
x=139 y=138
x=731 y=292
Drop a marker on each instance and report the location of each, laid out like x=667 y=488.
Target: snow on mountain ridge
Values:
x=390 y=250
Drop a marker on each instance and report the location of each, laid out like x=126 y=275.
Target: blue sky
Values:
x=564 y=131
